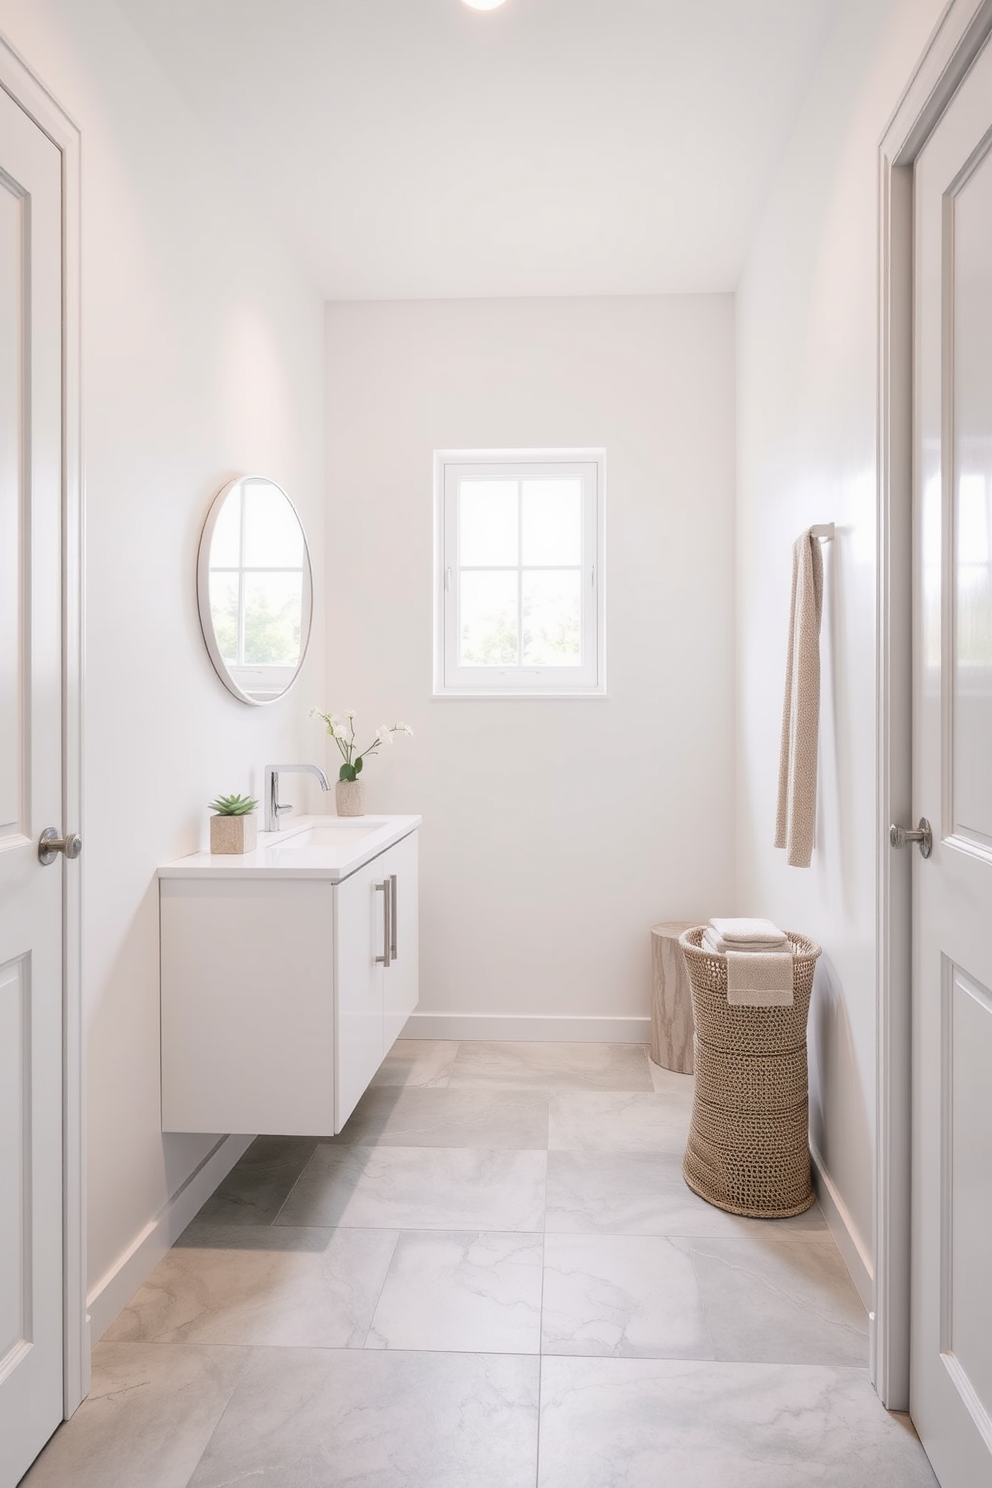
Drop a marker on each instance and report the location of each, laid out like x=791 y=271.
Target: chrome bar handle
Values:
x=386 y=957
x=903 y=836
x=392 y=917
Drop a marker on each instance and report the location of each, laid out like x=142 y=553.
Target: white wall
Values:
x=806 y=385
x=202 y=359
x=556 y=832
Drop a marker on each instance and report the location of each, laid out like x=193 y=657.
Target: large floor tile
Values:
x=552 y=1066
x=420 y=1062
x=257 y=1186
x=629 y=1296
x=307 y=1288
x=479 y=1293
x=631 y=1423
x=767 y=1300
x=398 y=1117
x=318 y=1419
x=617 y=1121
x=148 y=1417
x=644 y=1193
x=420 y=1188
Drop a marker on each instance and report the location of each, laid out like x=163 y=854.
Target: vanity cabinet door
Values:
x=361 y=923
x=400 y=984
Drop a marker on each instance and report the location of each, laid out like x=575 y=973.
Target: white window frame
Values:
x=454 y=681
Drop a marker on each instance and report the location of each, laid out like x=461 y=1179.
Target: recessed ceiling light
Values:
x=482 y=4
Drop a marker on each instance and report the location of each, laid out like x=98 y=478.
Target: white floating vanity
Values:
x=287 y=974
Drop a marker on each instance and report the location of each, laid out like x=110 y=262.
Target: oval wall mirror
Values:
x=254 y=588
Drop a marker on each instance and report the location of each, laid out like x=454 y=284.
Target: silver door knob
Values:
x=50 y=844
x=903 y=836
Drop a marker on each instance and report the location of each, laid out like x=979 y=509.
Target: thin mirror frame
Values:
x=203 y=593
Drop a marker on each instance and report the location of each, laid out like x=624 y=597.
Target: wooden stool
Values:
x=671 y=1004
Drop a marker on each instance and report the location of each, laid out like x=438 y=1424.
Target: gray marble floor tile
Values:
x=552 y=1066
x=421 y=1062
x=644 y=1193
x=420 y=1188
x=669 y=1082
x=630 y=1296
x=256 y=1187
x=617 y=1121
x=398 y=1117
x=476 y=1292
x=305 y=1288
x=770 y=1301
x=631 y=1423
x=147 y=1419
x=322 y=1419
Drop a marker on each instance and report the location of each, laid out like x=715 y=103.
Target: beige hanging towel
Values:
x=796 y=814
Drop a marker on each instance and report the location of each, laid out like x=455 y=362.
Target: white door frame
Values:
x=959 y=36
x=17 y=79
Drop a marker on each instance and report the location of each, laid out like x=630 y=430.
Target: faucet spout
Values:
x=273 y=810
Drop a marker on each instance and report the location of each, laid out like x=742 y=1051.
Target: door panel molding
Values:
x=958 y=38
x=17 y=79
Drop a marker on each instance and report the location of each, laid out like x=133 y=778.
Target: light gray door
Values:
x=31 y=1243
x=951 y=1372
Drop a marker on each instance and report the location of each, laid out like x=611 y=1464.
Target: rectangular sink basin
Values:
x=336 y=835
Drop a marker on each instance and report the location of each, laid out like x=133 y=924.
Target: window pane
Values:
x=552 y=521
x=225 y=545
x=489 y=619
x=273 y=535
x=552 y=619
x=273 y=606
x=487 y=523
x=224 y=613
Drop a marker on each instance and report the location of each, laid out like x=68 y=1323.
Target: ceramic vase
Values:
x=349 y=798
x=234 y=834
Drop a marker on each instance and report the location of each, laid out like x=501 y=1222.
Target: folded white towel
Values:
x=759 y=979
x=744 y=932
x=720 y=947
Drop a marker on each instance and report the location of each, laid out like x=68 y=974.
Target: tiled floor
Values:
x=494 y=1278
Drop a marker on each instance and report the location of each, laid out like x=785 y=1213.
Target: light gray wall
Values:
x=556 y=832
x=202 y=359
x=806 y=389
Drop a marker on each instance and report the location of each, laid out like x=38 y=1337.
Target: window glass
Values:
x=552 y=522
x=487 y=523
x=552 y=618
x=489 y=630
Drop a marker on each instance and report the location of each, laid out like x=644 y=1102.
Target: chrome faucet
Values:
x=273 y=811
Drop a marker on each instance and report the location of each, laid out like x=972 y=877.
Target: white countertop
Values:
x=281 y=855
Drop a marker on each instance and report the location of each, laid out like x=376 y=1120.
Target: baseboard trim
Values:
x=528 y=1027
x=849 y=1242
x=134 y=1265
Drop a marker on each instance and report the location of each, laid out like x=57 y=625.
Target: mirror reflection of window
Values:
x=257 y=589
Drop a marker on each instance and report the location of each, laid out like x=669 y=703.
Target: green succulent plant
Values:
x=233 y=805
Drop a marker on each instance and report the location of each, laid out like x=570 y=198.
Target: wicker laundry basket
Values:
x=748 y=1148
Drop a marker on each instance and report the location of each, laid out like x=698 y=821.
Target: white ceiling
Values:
x=415 y=148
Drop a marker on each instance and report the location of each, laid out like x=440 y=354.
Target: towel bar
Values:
x=824 y=531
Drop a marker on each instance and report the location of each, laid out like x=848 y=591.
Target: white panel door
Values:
x=31 y=1268
x=951 y=1378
